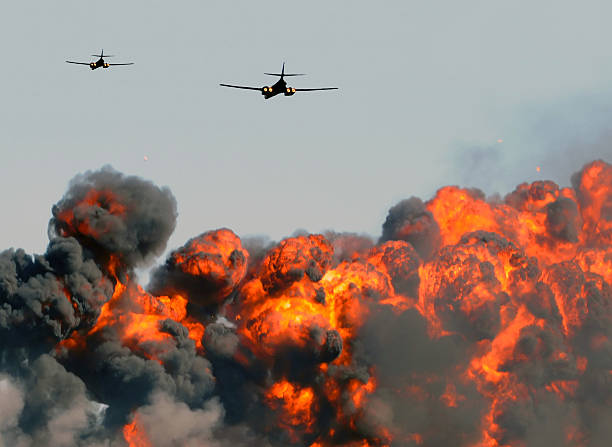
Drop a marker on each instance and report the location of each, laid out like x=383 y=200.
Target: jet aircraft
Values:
x=100 y=62
x=280 y=86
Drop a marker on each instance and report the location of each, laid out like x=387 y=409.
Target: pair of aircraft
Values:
x=267 y=91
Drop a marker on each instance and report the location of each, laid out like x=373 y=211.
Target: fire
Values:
x=492 y=258
x=135 y=435
x=450 y=396
x=593 y=191
x=295 y=405
x=496 y=308
x=76 y=219
x=299 y=304
x=480 y=284
x=137 y=319
x=459 y=211
x=217 y=256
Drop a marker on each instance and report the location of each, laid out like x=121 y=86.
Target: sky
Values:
x=431 y=93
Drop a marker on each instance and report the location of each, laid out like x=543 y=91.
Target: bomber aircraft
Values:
x=100 y=62
x=280 y=86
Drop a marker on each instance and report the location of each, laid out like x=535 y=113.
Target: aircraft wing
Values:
x=315 y=89
x=241 y=86
x=127 y=63
x=78 y=63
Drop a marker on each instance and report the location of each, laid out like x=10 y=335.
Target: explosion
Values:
x=472 y=322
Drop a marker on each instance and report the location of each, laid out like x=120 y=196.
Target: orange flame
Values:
x=509 y=273
x=297 y=405
x=135 y=435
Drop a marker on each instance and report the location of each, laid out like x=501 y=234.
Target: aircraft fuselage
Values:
x=276 y=89
x=98 y=64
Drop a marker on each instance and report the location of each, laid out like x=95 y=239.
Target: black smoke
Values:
x=432 y=312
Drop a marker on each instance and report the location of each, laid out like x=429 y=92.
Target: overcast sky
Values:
x=427 y=88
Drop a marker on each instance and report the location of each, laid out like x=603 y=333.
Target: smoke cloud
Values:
x=472 y=321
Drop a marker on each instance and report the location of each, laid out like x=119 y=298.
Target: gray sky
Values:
x=426 y=90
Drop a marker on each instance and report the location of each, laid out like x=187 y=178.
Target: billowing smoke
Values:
x=472 y=322
x=112 y=215
x=207 y=269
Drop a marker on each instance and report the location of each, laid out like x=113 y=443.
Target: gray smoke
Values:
x=66 y=381
x=111 y=213
x=410 y=221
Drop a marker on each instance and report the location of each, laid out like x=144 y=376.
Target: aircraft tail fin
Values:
x=285 y=74
x=282 y=74
x=102 y=54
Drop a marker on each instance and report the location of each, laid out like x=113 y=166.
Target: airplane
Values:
x=100 y=62
x=280 y=86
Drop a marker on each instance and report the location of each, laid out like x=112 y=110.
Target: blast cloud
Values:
x=112 y=214
x=472 y=321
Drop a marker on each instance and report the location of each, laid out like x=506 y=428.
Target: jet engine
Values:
x=105 y=65
x=289 y=91
x=92 y=66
